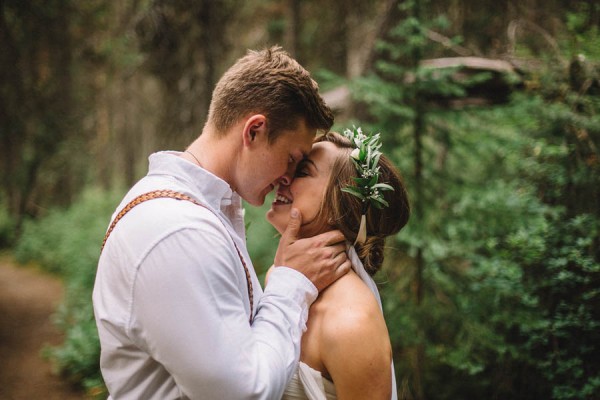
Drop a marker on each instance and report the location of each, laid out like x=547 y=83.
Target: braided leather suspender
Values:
x=171 y=194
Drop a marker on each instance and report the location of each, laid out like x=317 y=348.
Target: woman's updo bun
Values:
x=371 y=253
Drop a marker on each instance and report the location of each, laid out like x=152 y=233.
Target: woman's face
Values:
x=306 y=191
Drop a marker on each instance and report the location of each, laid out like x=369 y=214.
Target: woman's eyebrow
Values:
x=308 y=160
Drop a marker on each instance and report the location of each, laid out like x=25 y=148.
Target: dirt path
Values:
x=27 y=299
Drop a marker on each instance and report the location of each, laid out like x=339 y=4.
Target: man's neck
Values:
x=216 y=154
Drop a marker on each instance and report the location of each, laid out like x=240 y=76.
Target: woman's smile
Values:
x=306 y=191
x=282 y=198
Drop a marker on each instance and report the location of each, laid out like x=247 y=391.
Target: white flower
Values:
x=367 y=173
x=359 y=140
x=355 y=154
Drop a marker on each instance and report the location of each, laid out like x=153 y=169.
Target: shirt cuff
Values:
x=295 y=286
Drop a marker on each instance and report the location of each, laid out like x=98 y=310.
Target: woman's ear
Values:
x=255 y=130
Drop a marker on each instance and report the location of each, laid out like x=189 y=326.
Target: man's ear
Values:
x=255 y=129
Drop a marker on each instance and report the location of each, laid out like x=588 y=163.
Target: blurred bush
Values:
x=67 y=242
x=7 y=226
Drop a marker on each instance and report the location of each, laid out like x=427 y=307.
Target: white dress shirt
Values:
x=171 y=297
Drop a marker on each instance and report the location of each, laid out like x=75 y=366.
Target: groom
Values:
x=179 y=309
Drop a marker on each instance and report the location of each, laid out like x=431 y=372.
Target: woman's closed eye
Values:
x=302 y=170
x=301 y=173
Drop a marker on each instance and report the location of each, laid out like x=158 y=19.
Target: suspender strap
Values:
x=170 y=194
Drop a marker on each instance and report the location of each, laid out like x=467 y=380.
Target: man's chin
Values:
x=272 y=218
x=256 y=202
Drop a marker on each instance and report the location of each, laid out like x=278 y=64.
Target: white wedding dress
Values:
x=309 y=384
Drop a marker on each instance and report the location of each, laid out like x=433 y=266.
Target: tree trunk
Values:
x=292 y=33
x=418 y=133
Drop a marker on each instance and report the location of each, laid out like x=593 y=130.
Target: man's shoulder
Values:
x=152 y=220
x=168 y=211
x=164 y=199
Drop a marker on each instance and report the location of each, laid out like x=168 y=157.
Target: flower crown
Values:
x=367 y=187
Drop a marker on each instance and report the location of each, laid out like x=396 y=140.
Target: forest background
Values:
x=489 y=108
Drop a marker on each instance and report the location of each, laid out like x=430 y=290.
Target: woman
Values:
x=346 y=350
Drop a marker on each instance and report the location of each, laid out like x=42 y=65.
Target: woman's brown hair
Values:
x=343 y=210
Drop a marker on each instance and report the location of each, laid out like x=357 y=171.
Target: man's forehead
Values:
x=300 y=140
x=304 y=142
x=306 y=149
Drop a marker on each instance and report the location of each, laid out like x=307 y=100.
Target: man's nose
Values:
x=286 y=179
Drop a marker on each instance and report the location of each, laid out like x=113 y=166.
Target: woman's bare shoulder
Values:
x=350 y=309
x=355 y=347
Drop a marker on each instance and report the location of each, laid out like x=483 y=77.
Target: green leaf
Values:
x=353 y=192
x=373 y=180
x=376 y=158
x=362 y=153
x=379 y=202
x=383 y=186
x=361 y=182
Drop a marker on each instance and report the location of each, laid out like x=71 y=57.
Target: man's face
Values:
x=274 y=163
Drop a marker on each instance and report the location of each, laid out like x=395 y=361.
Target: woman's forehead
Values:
x=324 y=153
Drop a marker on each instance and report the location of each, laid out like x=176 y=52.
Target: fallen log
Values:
x=503 y=79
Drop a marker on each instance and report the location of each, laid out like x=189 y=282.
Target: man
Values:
x=179 y=309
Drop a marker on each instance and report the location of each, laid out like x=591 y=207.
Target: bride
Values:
x=346 y=183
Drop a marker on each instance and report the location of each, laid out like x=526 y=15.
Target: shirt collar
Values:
x=205 y=186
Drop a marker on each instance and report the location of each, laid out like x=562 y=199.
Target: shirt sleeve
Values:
x=188 y=312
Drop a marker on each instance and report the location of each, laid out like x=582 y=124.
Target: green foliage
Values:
x=67 y=242
x=506 y=305
x=510 y=280
x=7 y=226
x=584 y=34
x=78 y=357
x=566 y=278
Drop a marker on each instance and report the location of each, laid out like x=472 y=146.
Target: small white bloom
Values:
x=355 y=154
